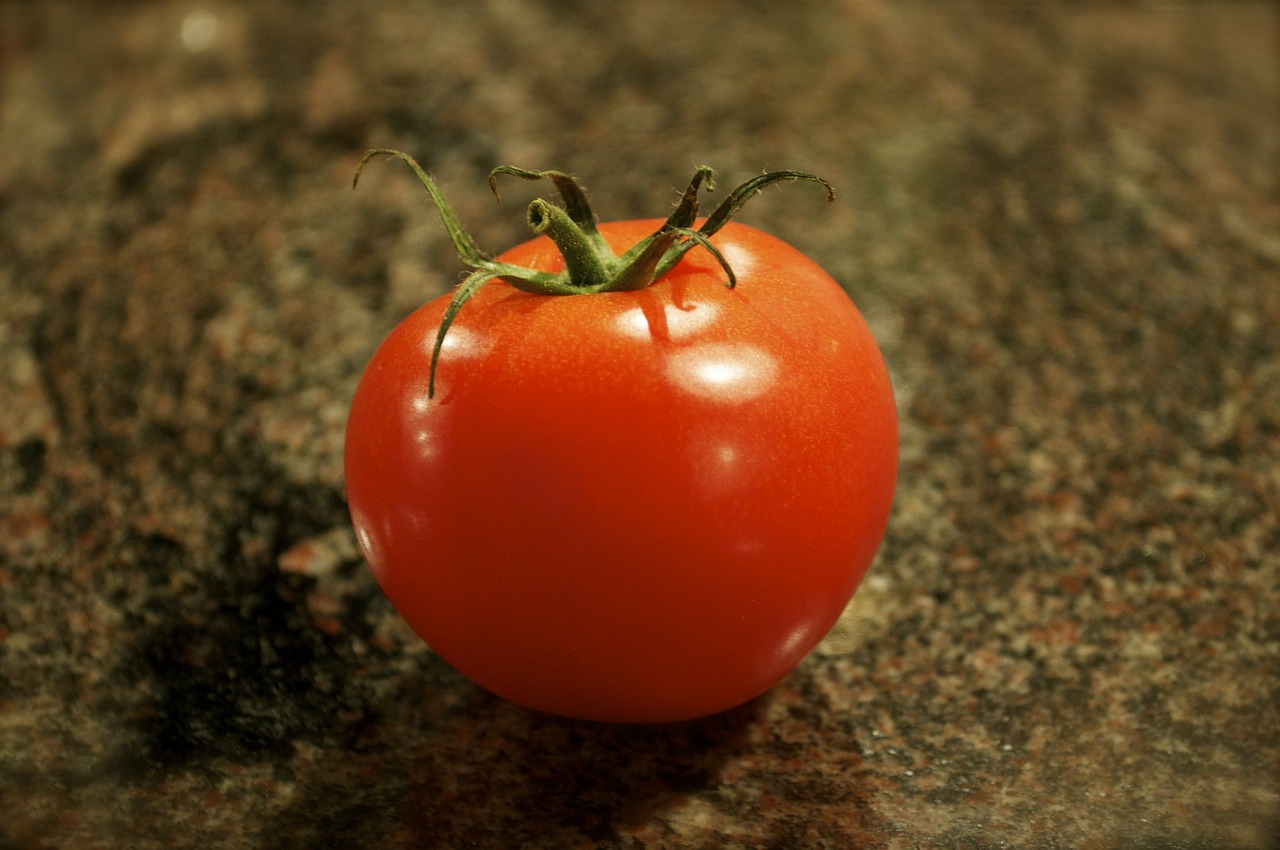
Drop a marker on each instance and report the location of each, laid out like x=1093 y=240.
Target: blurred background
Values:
x=1060 y=220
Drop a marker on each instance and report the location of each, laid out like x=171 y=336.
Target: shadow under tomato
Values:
x=445 y=764
x=511 y=775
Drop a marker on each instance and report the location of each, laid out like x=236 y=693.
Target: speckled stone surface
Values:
x=1062 y=220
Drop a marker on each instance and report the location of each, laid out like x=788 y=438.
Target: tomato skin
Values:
x=629 y=506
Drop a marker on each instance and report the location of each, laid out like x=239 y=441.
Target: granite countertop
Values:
x=1061 y=221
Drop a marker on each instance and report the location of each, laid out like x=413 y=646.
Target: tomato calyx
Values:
x=591 y=266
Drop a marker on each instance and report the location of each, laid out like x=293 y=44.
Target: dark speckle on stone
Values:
x=30 y=454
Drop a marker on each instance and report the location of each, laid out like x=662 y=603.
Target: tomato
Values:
x=644 y=505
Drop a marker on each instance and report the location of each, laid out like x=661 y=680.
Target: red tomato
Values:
x=628 y=506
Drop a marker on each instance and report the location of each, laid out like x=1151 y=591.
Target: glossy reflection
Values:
x=742 y=262
x=460 y=343
x=721 y=464
x=730 y=373
x=670 y=322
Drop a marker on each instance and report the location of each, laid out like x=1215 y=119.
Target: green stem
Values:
x=639 y=272
x=586 y=268
x=738 y=197
x=461 y=296
x=697 y=237
x=590 y=265
x=575 y=199
x=462 y=241
x=644 y=263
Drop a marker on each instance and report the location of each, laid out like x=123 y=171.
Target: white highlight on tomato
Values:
x=726 y=372
x=675 y=322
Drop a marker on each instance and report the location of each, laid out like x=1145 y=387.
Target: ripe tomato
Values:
x=640 y=506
